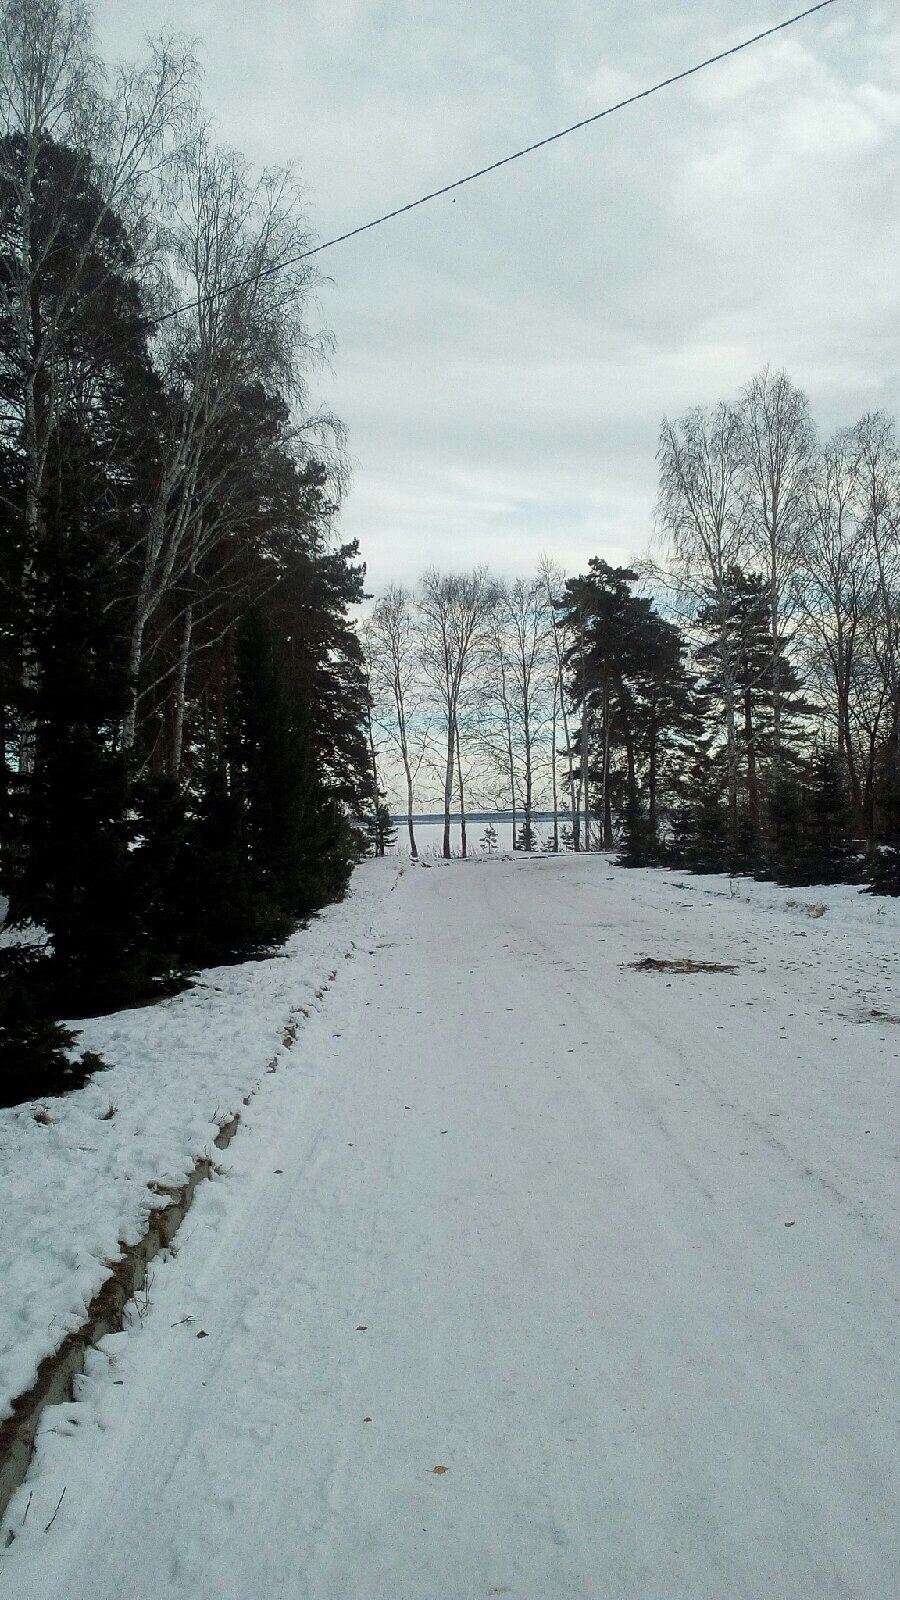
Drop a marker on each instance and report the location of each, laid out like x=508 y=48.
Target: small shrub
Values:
x=885 y=877
x=35 y=1059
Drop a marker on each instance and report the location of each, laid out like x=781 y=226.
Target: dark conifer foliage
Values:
x=36 y=1051
x=657 y=784
x=885 y=867
x=194 y=800
x=628 y=683
x=742 y=646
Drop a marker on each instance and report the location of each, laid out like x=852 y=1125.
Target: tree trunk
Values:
x=585 y=795
x=462 y=796
x=448 y=781
x=409 y=815
x=728 y=686
x=510 y=757
x=776 y=677
x=33 y=487
x=553 y=774
x=529 y=781
x=842 y=668
x=400 y=708
x=379 y=830
x=651 y=779
x=184 y=651
x=585 y=749
x=628 y=735
x=869 y=793
x=606 y=820
x=561 y=692
x=512 y=775
x=752 y=780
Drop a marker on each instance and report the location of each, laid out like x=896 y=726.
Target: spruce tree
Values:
x=699 y=839
x=830 y=855
x=748 y=643
x=884 y=870
x=639 y=846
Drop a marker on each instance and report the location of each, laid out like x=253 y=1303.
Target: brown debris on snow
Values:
x=652 y=964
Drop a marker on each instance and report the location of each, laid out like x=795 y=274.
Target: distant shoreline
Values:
x=475 y=816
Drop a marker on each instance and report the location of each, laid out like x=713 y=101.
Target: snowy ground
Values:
x=75 y=1180
x=617 y=1250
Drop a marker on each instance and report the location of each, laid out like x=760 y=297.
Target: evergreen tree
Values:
x=36 y=1052
x=784 y=853
x=830 y=855
x=380 y=828
x=237 y=808
x=884 y=871
x=627 y=673
x=66 y=838
x=639 y=846
x=746 y=638
x=809 y=828
x=699 y=839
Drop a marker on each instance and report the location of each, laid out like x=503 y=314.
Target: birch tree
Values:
x=242 y=326
x=120 y=132
x=553 y=580
x=838 y=582
x=500 y=692
x=701 y=514
x=777 y=445
x=522 y=626
x=393 y=645
x=878 y=490
x=456 y=611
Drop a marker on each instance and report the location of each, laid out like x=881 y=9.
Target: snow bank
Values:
x=843 y=903
x=77 y=1172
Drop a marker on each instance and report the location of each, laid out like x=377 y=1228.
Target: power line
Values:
x=493 y=166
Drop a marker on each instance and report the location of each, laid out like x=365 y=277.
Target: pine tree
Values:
x=237 y=808
x=885 y=866
x=830 y=855
x=526 y=838
x=809 y=826
x=66 y=833
x=36 y=1052
x=639 y=846
x=747 y=639
x=380 y=829
x=784 y=853
x=699 y=839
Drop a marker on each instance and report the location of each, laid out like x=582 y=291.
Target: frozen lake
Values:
x=430 y=832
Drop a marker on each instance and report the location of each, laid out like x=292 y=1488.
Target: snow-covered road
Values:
x=532 y=1275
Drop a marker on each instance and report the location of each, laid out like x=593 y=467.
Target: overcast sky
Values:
x=503 y=360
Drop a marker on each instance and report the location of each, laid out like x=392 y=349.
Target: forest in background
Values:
x=199 y=737
x=729 y=703
x=182 y=689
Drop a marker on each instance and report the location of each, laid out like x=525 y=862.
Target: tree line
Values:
x=196 y=737
x=729 y=702
x=183 y=762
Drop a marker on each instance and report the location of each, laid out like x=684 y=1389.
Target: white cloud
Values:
x=504 y=359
